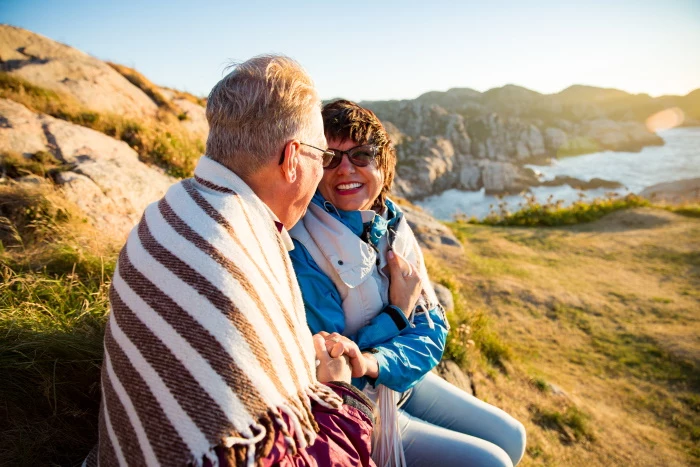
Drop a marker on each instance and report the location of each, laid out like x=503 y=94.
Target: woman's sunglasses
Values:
x=360 y=156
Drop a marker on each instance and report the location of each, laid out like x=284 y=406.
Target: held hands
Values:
x=337 y=347
x=330 y=368
x=405 y=283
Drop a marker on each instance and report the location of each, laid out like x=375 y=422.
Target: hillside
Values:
x=599 y=327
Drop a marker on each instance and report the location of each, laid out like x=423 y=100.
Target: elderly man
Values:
x=208 y=359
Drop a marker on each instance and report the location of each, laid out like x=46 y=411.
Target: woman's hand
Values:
x=338 y=345
x=330 y=368
x=405 y=283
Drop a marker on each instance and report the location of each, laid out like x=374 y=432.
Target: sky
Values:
x=375 y=50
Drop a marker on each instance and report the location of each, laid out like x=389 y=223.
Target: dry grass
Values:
x=610 y=313
x=145 y=85
x=54 y=272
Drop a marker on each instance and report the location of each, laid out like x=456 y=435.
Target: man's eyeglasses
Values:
x=360 y=156
x=327 y=155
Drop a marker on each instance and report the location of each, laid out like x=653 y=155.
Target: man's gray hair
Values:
x=255 y=109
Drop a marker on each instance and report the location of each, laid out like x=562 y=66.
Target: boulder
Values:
x=105 y=179
x=193 y=116
x=676 y=192
x=453 y=374
x=504 y=177
x=444 y=296
x=58 y=67
x=428 y=231
x=579 y=184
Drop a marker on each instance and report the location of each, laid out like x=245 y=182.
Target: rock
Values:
x=554 y=139
x=556 y=390
x=619 y=136
x=58 y=67
x=106 y=179
x=504 y=139
x=467 y=140
x=504 y=177
x=444 y=296
x=579 y=184
x=195 y=115
x=675 y=192
x=470 y=177
x=427 y=230
x=453 y=374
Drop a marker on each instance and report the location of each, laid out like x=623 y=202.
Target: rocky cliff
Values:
x=110 y=174
x=469 y=140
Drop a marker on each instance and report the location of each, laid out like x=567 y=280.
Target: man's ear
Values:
x=290 y=164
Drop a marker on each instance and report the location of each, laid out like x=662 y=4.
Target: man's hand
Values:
x=330 y=368
x=404 y=283
x=337 y=345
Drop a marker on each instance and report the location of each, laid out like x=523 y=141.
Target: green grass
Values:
x=572 y=425
x=689 y=209
x=552 y=214
x=54 y=272
x=51 y=330
x=42 y=164
x=471 y=339
x=161 y=141
x=145 y=85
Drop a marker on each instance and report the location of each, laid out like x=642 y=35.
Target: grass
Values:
x=161 y=141
x=605 y=311
x=145 y=85
x=43 y=164
x=472 y=338
x=550 y=213
x=51 y=329
x=572 y=425
x=54 y=277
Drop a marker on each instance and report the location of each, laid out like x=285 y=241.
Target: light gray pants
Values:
x=441 y=425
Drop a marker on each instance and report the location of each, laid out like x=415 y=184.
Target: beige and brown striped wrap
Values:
x=207 y=342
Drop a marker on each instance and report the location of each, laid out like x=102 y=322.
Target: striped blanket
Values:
x=207 y=343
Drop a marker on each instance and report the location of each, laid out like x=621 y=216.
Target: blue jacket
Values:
x=404 y=355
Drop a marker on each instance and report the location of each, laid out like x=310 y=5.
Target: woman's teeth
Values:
x=348 y=186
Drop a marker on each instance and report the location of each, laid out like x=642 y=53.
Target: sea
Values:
x=677 y=159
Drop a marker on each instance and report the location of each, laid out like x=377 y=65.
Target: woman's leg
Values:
x=427 y=445
x=438 y=402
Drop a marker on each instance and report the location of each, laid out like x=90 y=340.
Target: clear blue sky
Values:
x=389 y=50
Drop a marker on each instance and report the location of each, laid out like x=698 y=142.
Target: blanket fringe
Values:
x=250 y=450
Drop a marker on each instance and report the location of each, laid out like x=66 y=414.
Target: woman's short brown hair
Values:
x=345 y=120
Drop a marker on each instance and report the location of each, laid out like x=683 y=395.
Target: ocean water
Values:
x=677 y=159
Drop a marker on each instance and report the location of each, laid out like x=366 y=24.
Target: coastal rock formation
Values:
x=469 y=140
x=103 y=176
x=676 y=192
x=58 y=67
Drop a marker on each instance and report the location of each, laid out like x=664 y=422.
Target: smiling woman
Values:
x=353 y=251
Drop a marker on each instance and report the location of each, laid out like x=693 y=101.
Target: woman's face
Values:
x=349 y=187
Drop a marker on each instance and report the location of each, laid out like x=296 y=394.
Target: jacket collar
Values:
x=358 y=221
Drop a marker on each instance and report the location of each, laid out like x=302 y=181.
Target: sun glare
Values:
x=665 y=119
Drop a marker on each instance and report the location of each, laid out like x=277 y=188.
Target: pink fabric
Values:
x=344 y=438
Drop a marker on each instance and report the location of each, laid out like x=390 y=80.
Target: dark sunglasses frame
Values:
x=370 y=149
x=327 y=155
